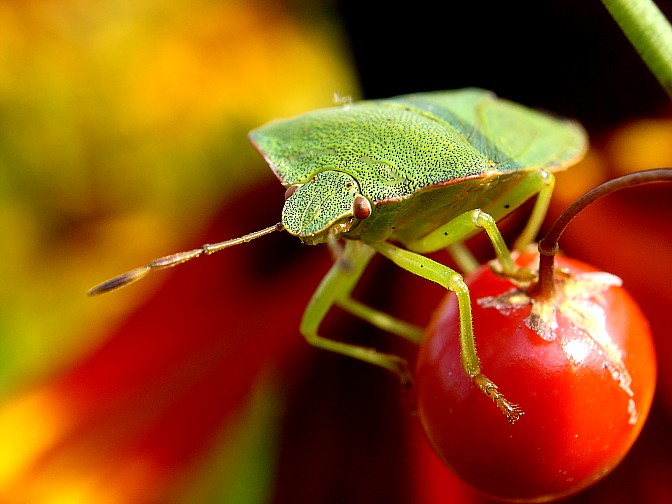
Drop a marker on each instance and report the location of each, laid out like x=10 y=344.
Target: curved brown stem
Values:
x=548 y=246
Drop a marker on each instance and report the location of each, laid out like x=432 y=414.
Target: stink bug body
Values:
x=403 y=177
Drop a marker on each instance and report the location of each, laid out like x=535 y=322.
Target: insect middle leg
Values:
x=451 y=280
x=336 y=289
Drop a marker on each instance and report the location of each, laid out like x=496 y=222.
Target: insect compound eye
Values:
x=361 y=207
x=291 y=190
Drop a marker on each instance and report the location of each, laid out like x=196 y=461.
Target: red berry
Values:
x=581 y=366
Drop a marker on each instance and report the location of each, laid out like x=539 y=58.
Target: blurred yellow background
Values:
x=122 y=127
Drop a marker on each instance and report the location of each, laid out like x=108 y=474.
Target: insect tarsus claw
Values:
x=511 y=411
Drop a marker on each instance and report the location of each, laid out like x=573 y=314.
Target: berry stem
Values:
x=548 y=246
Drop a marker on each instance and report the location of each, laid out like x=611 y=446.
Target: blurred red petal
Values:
x=144 y=404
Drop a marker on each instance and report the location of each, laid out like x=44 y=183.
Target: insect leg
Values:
x=465 y=260
x=462 y=227
x=451 y=280
x=541 y=183
x=334 y=289
x=382 y=320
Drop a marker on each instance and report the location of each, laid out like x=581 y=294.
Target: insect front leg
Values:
x=461 y=228
x=335 y=289
x=539 y=183
x=451 y=280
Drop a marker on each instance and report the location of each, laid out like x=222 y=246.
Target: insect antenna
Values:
x=174 y=259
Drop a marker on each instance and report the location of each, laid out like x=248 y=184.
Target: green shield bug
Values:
x=405 y=176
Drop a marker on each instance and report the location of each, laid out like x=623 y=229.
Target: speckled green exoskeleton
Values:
x=403 y=177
